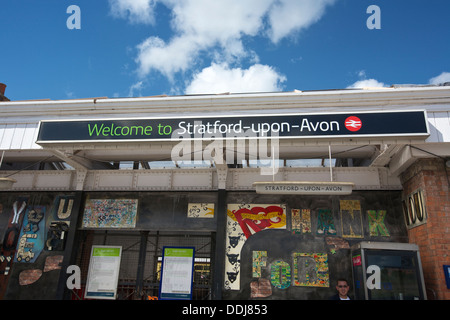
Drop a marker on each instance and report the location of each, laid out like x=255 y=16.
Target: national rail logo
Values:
x=353 y=123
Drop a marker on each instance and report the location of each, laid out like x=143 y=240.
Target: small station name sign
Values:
x=348 y=125
x=304 y=187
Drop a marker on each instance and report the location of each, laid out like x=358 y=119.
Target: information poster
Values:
x=103 y=274
x=177 y=273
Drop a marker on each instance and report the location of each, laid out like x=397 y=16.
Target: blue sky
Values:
x=151 y=47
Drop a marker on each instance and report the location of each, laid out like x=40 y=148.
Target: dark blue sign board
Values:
x=447 y=275
x=336 y=125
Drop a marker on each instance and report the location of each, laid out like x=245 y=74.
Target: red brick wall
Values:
x=433 y=237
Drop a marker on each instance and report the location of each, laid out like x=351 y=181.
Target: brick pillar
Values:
x=433 y=237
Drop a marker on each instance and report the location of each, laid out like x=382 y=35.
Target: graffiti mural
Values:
x=259 y=260
x=351 y=219
x=110 y=213
x=376 y=223
x=280 y=274
x=301 y=220
x=325 y=222
x=244 y=220
x=200 y=210
x=59 y=223
x=31 y=239
x=311 y=270
x=302 y=270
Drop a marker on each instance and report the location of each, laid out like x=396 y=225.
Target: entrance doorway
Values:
x=140 y=266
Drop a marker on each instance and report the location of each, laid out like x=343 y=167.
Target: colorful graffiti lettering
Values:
x=280 y=274
x=259 y=260
x=243 y=221
x=351 y=219
x=259 y=218
x=309 y=270
x=376 y=223
x=325 y=222
x=301 y=221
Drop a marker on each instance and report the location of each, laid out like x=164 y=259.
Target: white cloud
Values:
x=287 y=16
x=220 y=78
x=367 y=83
x=442 y=78
x=135 y=89
x=167 y=58
x=215 y=28
x=136 y=11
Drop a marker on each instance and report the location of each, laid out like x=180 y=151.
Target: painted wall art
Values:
x=32 y=235
x=280 y=274
x=244 y=220
x=58 y=227
x=301 y=221
x=110 y=213
x=311 y=270
x=200 y=210
x=301 y=270
x=351 y=219
x=377 y=227
x=325 y=222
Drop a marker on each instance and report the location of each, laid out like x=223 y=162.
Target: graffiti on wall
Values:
x=59 y=223
x=110 y=213
x=377 y=226
x=325 y=222
x=31 y=239
x=301 y=221
x=11 y=237
x=200 y=210
x=351 y=219
x=309 y=269
x=305 y=270
x=244 y=220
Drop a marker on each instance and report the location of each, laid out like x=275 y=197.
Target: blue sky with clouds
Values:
x=131 y=48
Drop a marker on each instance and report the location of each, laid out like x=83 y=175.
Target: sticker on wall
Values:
x=301 y=220
x=244 y=220
x=31 y=239
x=351 y=219
x=200 y=210
x=376 y=223
x=311 y=270
x=110 y=213
x=325 y=222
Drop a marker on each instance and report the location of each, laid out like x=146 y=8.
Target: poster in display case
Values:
x=177 y=272
x=103 y=274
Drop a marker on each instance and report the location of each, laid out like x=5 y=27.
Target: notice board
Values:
x=177 y=271
x=103 y=274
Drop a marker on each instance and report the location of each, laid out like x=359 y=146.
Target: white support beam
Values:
x=402 y=160
x=206 y=179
